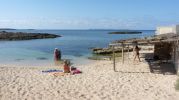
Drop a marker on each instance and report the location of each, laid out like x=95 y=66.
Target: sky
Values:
x=88 y=14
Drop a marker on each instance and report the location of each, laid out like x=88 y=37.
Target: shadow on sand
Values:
x=158 y=66
x=164 y=67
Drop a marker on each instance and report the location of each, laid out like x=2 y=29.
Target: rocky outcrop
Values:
x=126 y=32
x=25 y=36
x=7 y=29
x=104 y=51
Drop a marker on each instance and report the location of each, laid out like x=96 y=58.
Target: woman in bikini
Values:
x=136 y=51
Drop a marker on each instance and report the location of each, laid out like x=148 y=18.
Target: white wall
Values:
x=169 y=29
x=177 y=29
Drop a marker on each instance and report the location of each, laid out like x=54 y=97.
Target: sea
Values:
x=74 y=45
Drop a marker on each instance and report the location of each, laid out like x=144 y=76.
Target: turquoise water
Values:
x=74 y=45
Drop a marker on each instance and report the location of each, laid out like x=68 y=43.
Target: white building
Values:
x=168 y=29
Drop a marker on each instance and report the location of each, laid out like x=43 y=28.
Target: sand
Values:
x=133 y=81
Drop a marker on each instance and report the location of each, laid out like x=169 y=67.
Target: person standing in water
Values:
x=57 y=54
x=136 y=53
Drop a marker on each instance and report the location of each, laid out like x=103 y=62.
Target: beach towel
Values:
x=51 y=70
x=76 y=71
x=60 y=74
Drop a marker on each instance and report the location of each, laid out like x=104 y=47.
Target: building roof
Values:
x=169 y=37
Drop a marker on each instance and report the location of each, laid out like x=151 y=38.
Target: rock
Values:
x=104 y=51
x=100 y=58
x=7 y=29
x=42 y=58
x=25 y=36
x=126 y=32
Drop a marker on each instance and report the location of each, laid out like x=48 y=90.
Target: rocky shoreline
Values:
x=126 y=32
x=4 y=35
x=109 y=50
x=105 y=51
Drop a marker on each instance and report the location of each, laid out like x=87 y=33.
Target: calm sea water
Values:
x=74 y=45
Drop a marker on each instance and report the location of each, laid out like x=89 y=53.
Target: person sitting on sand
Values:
x=66 y=67
x=136 y=51
x=57 y=54
x=67 y=70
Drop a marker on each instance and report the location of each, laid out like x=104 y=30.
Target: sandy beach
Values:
x=133 y=81
x=89 y=50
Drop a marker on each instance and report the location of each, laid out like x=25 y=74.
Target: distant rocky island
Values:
x=126 y=32
x=7 y=29
x=4 y=35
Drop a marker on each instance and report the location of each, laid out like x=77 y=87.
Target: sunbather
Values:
x=66 y=67
x=67 y=70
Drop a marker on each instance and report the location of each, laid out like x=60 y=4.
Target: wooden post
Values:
x=128 y=51
x=174 y=52
x=122 y=53
x=114 y=62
